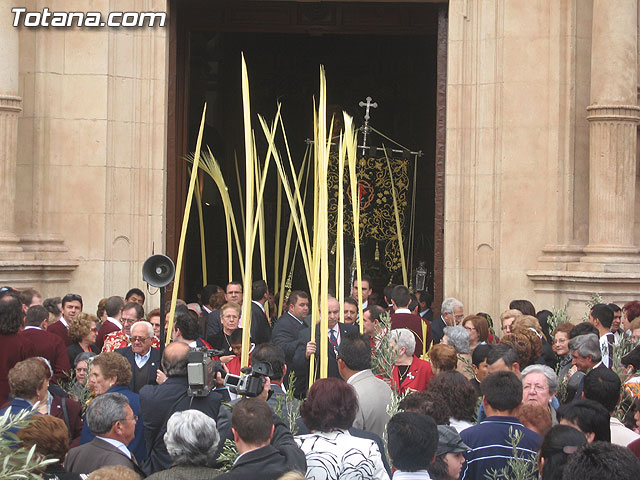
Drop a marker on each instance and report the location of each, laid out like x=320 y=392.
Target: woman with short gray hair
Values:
x=458 y=338
x=191 y=439
x=409 y=372
x=539 y=387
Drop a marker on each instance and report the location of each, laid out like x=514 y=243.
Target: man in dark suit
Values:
x=158 y=402
x=267 y=451
x=452 y=313
x=306 y=348
x=425 y=299
x=144 y=360
x=403 y=318
x=233 y=294
x=260 y=327
x=187 y=330
x=71 y=306
x=47 y=345
x=112 y=421
x=289 y=325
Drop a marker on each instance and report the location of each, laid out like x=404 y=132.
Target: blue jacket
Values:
x=137 y=446
x=16 y=406
x=490 y=447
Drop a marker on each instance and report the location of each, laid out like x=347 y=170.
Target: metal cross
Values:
x=365 y=128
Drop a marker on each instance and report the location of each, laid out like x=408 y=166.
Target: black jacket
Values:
x=214 y=326
x=437 y=328
x=260 y=328
x=301 y=363
x=285 y=334
x=157 y=403
x=154 y=365
x=271 y=461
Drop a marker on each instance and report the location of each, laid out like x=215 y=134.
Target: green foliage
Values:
x=558 y=316
x=468 y=365
x=228 y=455
x=385 y=355
x=288 y=407
x=18 y=462
x=593 y=300
x=67 y=385
x=518 y=467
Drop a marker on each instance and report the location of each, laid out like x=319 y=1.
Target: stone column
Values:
x=10 y=107
x=613 y=117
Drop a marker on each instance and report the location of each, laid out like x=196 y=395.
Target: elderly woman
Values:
x=507 y=318
x=332 y=453
x=459 y=395
x=539 y=387
x=443 y=358
x=81 y=370
x=29 y=383
x=561 y=347
x=458 y=338
x=83 y=332
x=51 y=439
x=410 y=372
x=110 y=372
x=478 y=328
x=191 y=439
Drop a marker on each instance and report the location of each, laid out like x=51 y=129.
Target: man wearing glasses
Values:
x=144 y=359
x=452 y=313
x=132 y=312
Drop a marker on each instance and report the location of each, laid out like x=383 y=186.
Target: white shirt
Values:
x=141 y=360
x=118 y=444
x=604 y=348
x=419 y=475
x=260 y=305
x=353 y=377
x=64 y=322
x=115 y=322
x=336 y=332
x=402 y=310
x=29 y=327
x=621 y=435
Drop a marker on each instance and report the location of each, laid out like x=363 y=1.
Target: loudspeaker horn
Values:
x=158 y=270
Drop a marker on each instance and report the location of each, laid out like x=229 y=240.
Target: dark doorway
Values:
x=395 y=65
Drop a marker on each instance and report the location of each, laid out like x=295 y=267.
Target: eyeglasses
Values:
x=535 y=388
x=139 y=339
x=71 y=297
x=470 y=329
x=129 y=320
x=459 y=317
x=135 y=419
x=94 y=330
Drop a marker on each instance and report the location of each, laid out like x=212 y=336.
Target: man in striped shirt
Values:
x=491 y=441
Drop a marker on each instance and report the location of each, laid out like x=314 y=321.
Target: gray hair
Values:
x=552 y=378
x=458 y=338
x=147 y=325
x=588 y=344
x=105 y=410
x=449 y=304
x=404 y=338
x=83 y=357
x=191 y=438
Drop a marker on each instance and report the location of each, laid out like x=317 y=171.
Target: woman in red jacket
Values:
x=409 y=372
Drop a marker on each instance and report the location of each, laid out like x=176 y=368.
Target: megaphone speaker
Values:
x=158 y=270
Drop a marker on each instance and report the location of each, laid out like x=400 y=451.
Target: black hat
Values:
x=449 y=441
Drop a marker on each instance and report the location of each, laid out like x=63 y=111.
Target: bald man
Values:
x=158 y=402
x=306 y=348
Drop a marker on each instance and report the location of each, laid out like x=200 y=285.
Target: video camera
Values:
x=202 y=370
x=252 y=382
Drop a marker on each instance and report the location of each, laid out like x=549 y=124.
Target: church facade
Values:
x=539 y=138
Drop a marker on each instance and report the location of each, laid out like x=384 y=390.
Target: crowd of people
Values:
x=409 y=394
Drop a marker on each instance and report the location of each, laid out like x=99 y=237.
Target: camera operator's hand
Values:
x=160 y=377
x=264 y=395
x=220 y=378
x=311 y=349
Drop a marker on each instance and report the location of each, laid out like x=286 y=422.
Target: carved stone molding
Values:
x=10 y=103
